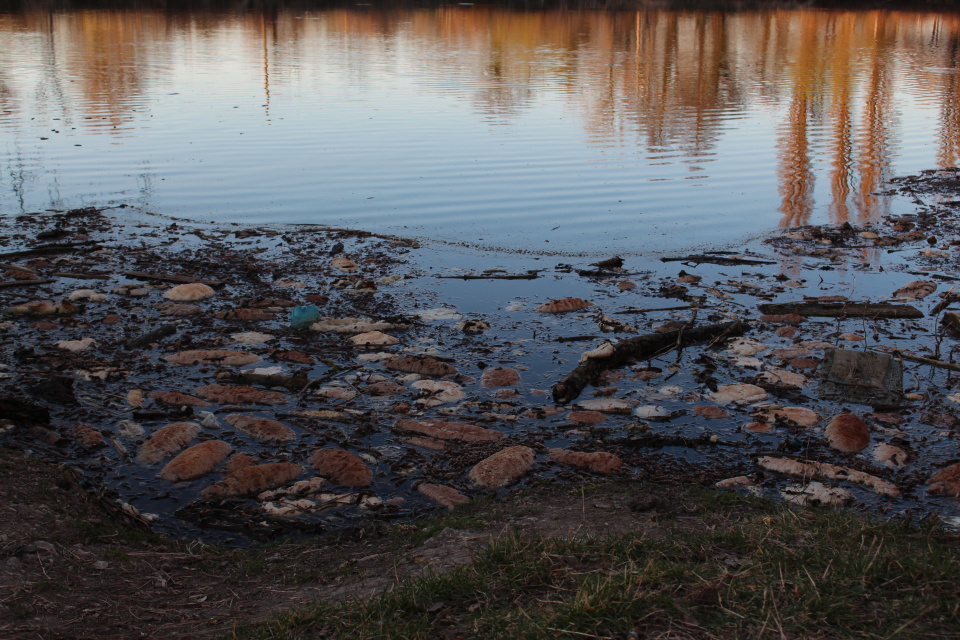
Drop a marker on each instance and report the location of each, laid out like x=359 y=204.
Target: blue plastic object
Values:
x=303 y=317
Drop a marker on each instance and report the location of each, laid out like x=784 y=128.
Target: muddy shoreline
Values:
x=472 y=352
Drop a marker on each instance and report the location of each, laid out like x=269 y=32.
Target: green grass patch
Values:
x=740 y=569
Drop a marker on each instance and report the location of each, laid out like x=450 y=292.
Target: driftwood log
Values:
x=843 y=309
x=642 y=347
x=726 y=261
x=293 y=383
x=168 y=277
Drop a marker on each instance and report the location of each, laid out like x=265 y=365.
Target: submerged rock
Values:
x=440 y=392
x=847 y=433
x=239 y=394
x=249 y=481
x=373 y=339
x=739 y=393
x=87 y=437
x=945 y=482
x=166 y=441
x=816 y=493
x=797 y=468
x=448 y=430
x=499 y=377
x=916 y=290
x=564 y=305
x=353 y=325
x=177 y=309
x=252 y=337
x=262 y=429
x=598 y=461
x=341 y=467
x=891 y=455
x=799 y=416
x=502 y=468
x=189 y=292
x=177 y=399
x=76 y=345
x=210 y=356
x=606 y=405
x=422 y=365
x=196 y=461
x=442 y=494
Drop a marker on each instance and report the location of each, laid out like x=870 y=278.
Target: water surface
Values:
x=555 y=131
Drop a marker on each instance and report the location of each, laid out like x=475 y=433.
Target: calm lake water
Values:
x=549 y=131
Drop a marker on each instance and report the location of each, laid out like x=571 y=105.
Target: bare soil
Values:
x=72 y=567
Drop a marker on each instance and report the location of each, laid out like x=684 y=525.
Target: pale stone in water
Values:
x=784 y=377
x=346 y=265
x=816 y=493
x=251 y=337
x=189 y=292
x=502 y=468
x=890 y=455
x=797 y=468
x=130 y=429
x=800 y=416
x=740 y=393
x=76 y=345
x=607 y=405
x=353 y=325
x=434 y=315
x=852 y=337
x=135 y=398
x=373 y=339
x=603 y=351
x=87 y=294
x=336 y=393
x=442 y=391
x=651 y=411
x=739 y=482
x=748 y=363
x=746 y=347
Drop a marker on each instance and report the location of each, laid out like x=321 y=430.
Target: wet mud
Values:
x=157 y=358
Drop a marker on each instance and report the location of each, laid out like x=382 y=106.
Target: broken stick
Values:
x=641 y=348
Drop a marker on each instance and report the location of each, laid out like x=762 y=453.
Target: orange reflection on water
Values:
x=664 y=83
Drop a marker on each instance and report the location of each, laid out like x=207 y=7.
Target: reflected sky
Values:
x=549 y=131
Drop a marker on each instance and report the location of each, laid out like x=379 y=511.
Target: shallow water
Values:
x=557 y=132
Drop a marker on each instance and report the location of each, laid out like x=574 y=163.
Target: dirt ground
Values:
x=70 y=568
